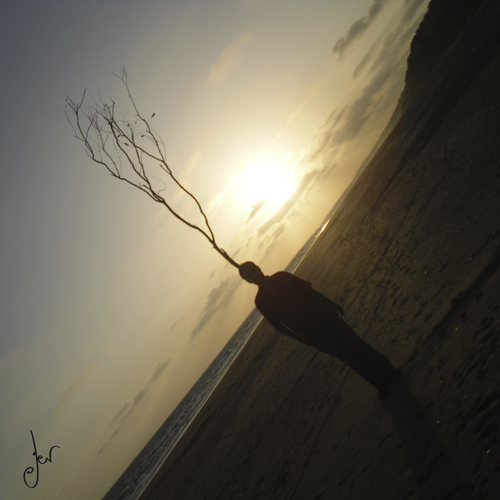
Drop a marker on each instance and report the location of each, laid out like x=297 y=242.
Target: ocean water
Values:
x=141 y=471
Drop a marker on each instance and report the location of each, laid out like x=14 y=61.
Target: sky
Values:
x=111 y=308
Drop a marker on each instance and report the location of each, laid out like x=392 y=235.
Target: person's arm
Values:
x=283 y=329
x=337 y=308
x=323 y=298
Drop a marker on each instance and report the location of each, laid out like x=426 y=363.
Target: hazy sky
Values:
x=111 y=309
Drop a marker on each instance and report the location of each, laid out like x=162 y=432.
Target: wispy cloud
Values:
x=228 y=58
x=121 y=415
x=125 y=411
x=76 y=385
x=389 y=46
x=160 y=368
x=217 y=299
x=384 y=65
x=358 y=28
x=215 y=203
x=279 y=215
x=185 y=178
x=254 y=209
x=305 y=99
x=192 y=163
x=412 y=9
x=268 y=233
x=129 y=407
x=354 y=117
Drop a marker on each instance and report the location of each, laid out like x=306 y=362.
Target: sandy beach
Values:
x=413 y=255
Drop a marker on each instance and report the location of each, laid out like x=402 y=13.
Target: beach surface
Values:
x=413 y=255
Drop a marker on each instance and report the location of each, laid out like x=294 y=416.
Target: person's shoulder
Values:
x=281 y=274
x=284 y=276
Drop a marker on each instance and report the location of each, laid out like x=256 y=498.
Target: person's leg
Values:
x=339 y=340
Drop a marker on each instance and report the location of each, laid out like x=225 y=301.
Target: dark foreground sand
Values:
x=414 y=256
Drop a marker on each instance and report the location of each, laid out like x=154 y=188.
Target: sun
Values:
x=266 y=179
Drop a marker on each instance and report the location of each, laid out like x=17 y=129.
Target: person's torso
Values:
x=293 y=302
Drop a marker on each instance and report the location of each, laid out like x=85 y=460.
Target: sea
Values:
x=142 y=470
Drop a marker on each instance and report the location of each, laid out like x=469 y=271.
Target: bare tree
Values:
x=132 y=151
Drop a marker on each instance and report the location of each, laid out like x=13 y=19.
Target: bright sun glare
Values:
x=266 y=179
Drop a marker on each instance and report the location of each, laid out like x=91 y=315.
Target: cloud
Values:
x=192 y=163
x=357 y=114
x=385 y=65
x=127 y=409
x=129 y=406
x=76 y=385
x=298 y=108
x=176 y=323
x=270 y=242
x=215 y=203
x=138 y=398
x=351 y=120
x=254 y=209
x=307 y=97
x=217 y=299
x=160 y=368
x=279 y=215
x=281 y=220
x=358 y=28
x=364 y=61
x=412 y=9
x=228 y=58
x=184 y=178
x=390 y=47
x=123 y=411
x=101 y=449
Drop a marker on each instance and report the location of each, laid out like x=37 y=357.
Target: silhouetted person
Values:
x=295 y=309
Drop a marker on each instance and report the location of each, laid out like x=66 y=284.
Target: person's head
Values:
x=251 y=272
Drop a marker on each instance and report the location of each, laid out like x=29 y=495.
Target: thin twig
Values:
x=120 y=145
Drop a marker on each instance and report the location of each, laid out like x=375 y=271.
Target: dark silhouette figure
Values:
x=295 y=309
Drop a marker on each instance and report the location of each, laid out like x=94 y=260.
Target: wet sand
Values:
x=413 y=255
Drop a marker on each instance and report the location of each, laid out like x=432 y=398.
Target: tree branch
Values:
x=131 y=150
